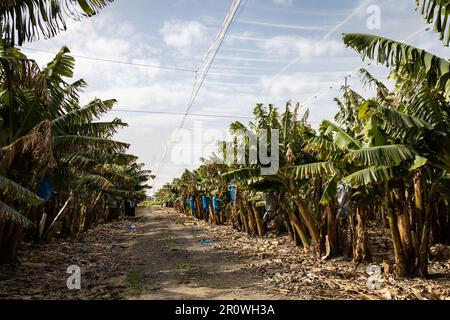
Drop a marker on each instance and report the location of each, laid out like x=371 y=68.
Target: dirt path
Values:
x=177 y=261
x=156 y=255
x=162 y=254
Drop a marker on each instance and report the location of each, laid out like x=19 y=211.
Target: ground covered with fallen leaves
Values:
x=288 y=270
x=165 y=255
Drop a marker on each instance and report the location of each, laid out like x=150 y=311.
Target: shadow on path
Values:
x=170 y=262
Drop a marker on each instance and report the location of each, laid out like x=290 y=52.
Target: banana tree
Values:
x=437 y=12
x=284 y=183
x=46 y=134
x=416 y=114
x=417 y=64
x=28 y=20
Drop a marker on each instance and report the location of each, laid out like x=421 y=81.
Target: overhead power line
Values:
x=323 y=39
x=247 y=59
x=204 y=67
x=293 y=11
x=181 y=113
x=285 y=26
x=203 y=70
x=164 y=67
x=208 y=115
x=245 y=50
x=117 y=61
x=324 y=91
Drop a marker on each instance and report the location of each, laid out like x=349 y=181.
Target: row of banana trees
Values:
x=61 y=171
x=386 y=159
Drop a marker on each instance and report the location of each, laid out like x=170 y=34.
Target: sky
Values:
x=274 y=51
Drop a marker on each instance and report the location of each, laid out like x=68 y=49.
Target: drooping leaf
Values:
x=417 y=63
x=329 y=194
x=311 y=170
x=87 y=143
x=389 y=155
x=371 y=175
x=14 y=215
x=15 y=191
x=437 y=11
x=82 y=116
x=397 y=119
x=342 y=139
x=28 y=20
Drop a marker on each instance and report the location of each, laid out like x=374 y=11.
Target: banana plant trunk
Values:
x=361 y=252
x=258 y=220
x=252 y=228
x=308 y=221
x=212 y=214
x=332 y=239
x=410 y=225
x=9 y=240
x=297 y=229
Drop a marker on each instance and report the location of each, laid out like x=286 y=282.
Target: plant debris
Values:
x=288 y=270
x=107 y=259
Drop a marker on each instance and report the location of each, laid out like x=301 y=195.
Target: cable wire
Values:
x=203 y=70
x=324 y=91
x=181 y=114
x=117 y=61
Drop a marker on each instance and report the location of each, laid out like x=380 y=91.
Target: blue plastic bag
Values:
x=45 y=189
x=192 y=204
x=232 y=194
x=205 y=203
x=215 y=204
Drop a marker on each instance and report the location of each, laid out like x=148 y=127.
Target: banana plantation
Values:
x=61 y=171
x=73 y=196
x=383 y=161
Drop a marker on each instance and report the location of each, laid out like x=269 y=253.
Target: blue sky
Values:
x=268 y=36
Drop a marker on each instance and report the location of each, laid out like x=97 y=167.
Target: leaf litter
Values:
x=288 y=270
x=103 y=255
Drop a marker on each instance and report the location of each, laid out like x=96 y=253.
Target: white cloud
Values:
x=104 y=39
x=300 y=84
x=303 y=47
x=183 y=34
x=287 y=3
